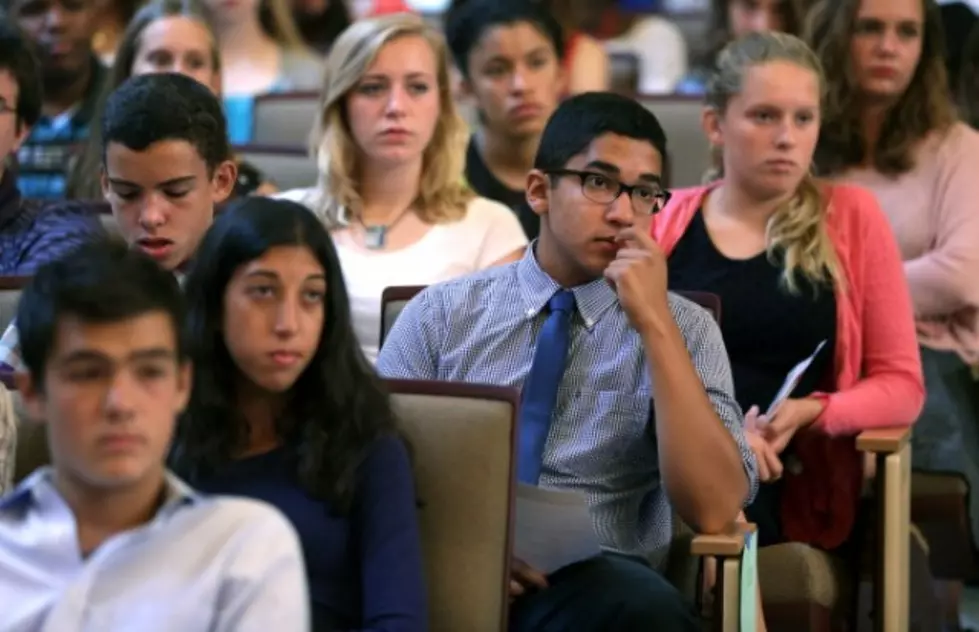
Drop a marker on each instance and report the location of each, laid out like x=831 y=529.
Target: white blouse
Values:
x=487 y=232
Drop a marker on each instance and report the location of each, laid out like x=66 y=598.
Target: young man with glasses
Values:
x=626 y=390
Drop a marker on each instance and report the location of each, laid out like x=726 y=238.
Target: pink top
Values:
x=877 y=368
x=934 y=210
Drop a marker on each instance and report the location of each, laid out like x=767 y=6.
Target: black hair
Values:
x=582 y=118
x=468 y=20
x=338 y=407
x=156 y=107
x=967 y=86
x=102 y=281
x=17 y=58
x=319 y=31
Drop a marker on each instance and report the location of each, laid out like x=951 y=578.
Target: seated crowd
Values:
x=209 y=356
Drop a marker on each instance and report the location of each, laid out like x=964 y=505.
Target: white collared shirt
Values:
x=202 y=564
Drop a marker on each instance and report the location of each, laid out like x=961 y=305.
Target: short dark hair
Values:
x=579 y=120
x=156 y=107
x=103 y=281
x=17 y=58
x=468 y=20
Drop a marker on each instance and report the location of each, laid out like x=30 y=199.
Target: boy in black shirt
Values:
x=509 y=53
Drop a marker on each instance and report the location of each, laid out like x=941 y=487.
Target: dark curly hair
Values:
x=338 y=407
x=926 y=106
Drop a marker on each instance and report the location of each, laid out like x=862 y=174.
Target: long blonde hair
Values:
x=443 y=194
x=797 y=229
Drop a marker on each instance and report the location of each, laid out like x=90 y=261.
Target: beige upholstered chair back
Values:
x=463 y=439
x=393 y=300
x=10 y=289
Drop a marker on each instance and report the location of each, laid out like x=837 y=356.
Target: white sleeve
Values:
x=266 y=581
x=502 y=233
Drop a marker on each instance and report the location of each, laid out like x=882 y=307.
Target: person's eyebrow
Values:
x=153 y=353
x=609 y=168
x=91 y=355
x=116 y=182
x=265 y=274
x=176 y=181
x=602 y=166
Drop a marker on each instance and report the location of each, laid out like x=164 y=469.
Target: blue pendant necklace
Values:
x=375 y=237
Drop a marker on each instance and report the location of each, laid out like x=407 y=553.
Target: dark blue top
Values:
x=364 y=569
x=33 y=233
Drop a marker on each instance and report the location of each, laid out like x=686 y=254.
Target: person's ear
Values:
x=23 y=131
x=32 y=396
x=462 y=85
x=563 y=78
x=538 y=192
x=185 y=381
x=710 y=121
x=104 y=181
x=223 y=181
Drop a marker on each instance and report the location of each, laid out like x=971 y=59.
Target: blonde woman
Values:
x=261 y=52
x=797 y=264
x=391 y=148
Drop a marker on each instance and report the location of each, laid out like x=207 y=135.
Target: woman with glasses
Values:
x=803 y=269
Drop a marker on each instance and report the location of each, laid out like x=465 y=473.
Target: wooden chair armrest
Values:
x=727 y=544
x=883 y=440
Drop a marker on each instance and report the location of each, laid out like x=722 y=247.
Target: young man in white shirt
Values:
x=106 y=538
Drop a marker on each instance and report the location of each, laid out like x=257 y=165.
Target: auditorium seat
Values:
x=288 y=168
x=10 y=289
x=687 y=147
x=285 y=119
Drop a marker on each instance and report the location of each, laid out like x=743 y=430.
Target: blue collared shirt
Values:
x=483 y=328
x=206 y=564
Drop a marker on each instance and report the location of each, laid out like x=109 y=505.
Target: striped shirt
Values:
x=47 y=157
x=483 y=328
x=33 y=233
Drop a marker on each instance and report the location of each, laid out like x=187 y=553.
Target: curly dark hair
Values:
x=337 y=408
x=926 y=106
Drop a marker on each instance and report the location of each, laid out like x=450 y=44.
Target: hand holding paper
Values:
x=553 y=528
x=789 y=417
x=792 y=380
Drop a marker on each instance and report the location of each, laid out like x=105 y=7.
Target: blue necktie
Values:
x=540 y=388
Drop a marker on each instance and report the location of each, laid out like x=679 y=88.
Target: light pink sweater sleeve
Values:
x=888 y=387
x=945 y=279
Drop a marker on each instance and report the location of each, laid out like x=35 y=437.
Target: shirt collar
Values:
x=38 y=490
x=593 y=299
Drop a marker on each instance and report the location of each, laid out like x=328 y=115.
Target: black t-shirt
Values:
x=485 y=184
x=767 y=330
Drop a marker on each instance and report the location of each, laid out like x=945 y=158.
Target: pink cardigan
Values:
x=877 y=366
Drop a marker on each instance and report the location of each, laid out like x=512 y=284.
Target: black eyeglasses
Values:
x=647 y=199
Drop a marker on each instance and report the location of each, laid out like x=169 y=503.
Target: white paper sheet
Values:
x=553 y=528
x=793 y=378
